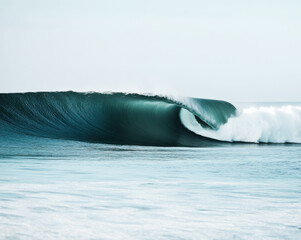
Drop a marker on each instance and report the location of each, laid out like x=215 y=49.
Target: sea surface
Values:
x=246 y=185
x=62 y=189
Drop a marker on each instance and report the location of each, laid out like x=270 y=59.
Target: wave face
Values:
x=115 y=118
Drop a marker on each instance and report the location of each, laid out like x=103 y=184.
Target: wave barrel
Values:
x=114 y=118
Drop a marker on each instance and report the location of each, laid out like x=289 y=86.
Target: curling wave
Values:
x=115 y=118
x=120 y=118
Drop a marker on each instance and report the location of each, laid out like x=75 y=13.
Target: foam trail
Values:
x=273 y=124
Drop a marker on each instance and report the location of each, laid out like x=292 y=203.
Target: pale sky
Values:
x=231 y=50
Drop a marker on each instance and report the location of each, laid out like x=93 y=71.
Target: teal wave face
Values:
x=115 y=118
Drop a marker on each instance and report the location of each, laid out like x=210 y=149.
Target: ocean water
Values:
x=61 y=189
x=56 y=187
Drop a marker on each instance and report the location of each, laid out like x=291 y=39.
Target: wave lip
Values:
x=116 y=118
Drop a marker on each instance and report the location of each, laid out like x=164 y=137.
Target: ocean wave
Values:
x=126 y=118
x=116 y=118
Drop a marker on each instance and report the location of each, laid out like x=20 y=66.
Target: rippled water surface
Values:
x=60 y=189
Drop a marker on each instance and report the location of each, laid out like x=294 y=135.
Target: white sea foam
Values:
x=272 y=124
